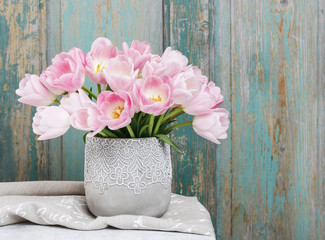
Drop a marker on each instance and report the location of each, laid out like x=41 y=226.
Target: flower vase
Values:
x=127 y=176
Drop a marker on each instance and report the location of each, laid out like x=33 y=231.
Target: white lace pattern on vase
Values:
x=134 y=163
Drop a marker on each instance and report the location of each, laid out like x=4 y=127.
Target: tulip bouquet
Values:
x=139 y=94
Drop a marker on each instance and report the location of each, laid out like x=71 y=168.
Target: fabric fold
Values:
x=63 y=204
x=42 y=188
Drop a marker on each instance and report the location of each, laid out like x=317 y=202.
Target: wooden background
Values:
x=266 y=181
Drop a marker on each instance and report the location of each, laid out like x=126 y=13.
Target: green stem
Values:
x=178 y=114
x=57 y=101
x=158 y=124
x=90 y=92
x=130 y=131
x=173 y=114
x=178 y=125
x=99 y=88
x=108 y=133
x=103 y=134
x=138 y=123
x=151 y=122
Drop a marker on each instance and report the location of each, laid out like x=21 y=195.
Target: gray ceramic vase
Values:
x=127 y=176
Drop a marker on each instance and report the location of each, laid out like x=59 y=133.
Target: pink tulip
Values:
x=84 y=112
x=101 y=51
x=197 y=72
x=139 y=52
x=87 y=119
x=185 y=87
x=67 y=72
x=33 y=92
x=216 y=93
x=154 y=94
x=120 y=73
x=50 y=122
x=174 y=61
x=75 y=101
x=154 y=67
x=208 y=99
x=117 y=109
x=212 y=126
x=78 y=55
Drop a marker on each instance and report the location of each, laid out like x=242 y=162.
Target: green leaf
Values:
x=108 y=133
x=102 y=134
x=129 y=128
x=138 y=124
x=145 y=122
x=164 y=125
x=147 y=119
x=84 y=136
x=166 y=131
x=136 y=116
x=108 y=88
x=177 y=126
x=158 y=124
x=99 y=88
x=167 y=140
x=143 y=128
x=118 y=133
x=89 y=95
x=133 y=123
x=151 y=123
x=123 y=132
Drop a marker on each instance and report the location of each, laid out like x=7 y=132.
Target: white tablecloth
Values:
x=46 y=203
x=29 y=231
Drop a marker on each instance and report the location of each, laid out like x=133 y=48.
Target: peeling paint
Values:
x=266 y=180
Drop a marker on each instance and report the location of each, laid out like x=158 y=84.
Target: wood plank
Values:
x=128 y=20
x=267 y=181
x=22 y=50
x=320 y=184
x=81 y=23
x=54 y=47
x=186 y=26
x=274 y=146
x=220 y=71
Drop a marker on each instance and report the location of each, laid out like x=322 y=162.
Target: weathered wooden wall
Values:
x=22 y=49
x=266 y=181
x=276 y=169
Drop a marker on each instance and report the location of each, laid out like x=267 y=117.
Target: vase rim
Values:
x=103 y=138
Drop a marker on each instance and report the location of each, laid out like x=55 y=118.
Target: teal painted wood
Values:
x=21 y=50
x=127 y=20
x=320 y=178
x=266 y=180
x=54 y=46
x=220 y=72
x=274 y=120
x=194 y=167
x=76 y=23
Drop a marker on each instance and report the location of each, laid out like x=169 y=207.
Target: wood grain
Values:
x=274 y=120
x=22 y=50
x=320 y=178
x=220 y=72
x=186 y=26
x=54 y=46
x=267 y=180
